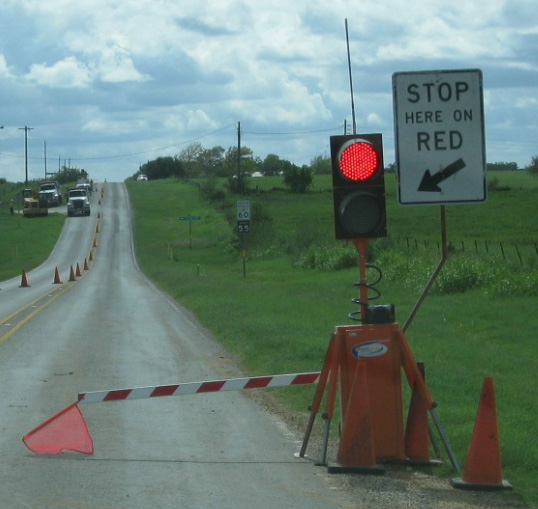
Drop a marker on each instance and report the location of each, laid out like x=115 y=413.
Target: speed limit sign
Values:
x=243 y=216
x=243 y=210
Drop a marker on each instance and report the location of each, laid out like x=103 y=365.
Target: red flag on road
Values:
x=65 y=430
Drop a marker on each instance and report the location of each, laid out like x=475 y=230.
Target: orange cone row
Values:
x=72 y=274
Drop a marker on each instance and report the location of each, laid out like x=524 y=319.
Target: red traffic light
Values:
x=358 y=186
x=358 y=160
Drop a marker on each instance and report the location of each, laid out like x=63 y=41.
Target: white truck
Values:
x=78 y=202
x=50 y=194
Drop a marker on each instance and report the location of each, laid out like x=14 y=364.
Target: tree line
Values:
x=195 y=161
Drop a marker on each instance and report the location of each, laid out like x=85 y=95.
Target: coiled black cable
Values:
x=355 y=315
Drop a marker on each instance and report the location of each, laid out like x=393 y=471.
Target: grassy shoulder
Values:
x=278 y=317
x=26 y=242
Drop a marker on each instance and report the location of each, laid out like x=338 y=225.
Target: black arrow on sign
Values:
x=430 y=182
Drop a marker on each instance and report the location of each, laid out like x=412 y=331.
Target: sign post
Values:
x=439 y=133
x=243 y=227
x=190 y=219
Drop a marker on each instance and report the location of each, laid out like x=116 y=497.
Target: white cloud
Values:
x=4 y=70
x=116 y=66
x=526 y=102
x=112 y=77
x=67 y=73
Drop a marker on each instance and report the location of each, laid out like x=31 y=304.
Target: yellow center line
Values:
x=52 y=296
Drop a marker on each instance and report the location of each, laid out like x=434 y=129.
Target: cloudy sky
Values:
x=109 y=84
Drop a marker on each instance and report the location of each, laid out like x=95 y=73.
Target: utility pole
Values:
x=1 y=126
x=239 y=182
x=26 y=129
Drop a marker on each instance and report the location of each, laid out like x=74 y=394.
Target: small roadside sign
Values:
x=190 y=218
x=243 y=210
x=243 y=216
x=439 y=136
x=243 y=227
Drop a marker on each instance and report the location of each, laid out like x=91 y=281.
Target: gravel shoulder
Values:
x=399 y=488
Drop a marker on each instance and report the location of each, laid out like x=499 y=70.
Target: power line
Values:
x=294 y=133
x=129 y=154
x=26 y=129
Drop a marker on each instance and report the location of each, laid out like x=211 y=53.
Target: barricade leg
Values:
x=318 y=395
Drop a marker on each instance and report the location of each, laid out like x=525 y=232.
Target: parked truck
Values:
x=50 y=194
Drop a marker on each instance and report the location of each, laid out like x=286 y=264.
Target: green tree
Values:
x=210 y=161
x=236 y=169
x=230 y=159
x=501 y=166
x=320 y=165
x=271 y=165
x=533 y=167
x=201 y=162
x=190 y=158
x=163 y=167
x=298 y=180
x=66 y=175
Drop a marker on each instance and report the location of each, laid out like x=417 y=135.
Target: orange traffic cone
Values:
x=416 y=431
x=91 y=256
x=482 y=469
x=24 y=280
x=86 y=264
x=356 y=450
x=94 y=242
x=57 y=280
x=78 y=273
x=71 y=274
x=97 y=228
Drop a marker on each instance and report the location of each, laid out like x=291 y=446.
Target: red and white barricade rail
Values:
x=67 y=429
x=233 y=384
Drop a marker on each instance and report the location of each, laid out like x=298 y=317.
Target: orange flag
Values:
x=65 y=430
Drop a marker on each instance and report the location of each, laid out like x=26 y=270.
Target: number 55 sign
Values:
x=243 y=216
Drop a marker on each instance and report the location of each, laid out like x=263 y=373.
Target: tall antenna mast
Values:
x=350 y=82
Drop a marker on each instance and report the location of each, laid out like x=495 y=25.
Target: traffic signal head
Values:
x=358 y=186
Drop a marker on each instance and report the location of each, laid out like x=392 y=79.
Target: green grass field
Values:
x=24 y=242
x=278 y=317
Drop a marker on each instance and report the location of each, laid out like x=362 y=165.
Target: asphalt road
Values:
x=112 y=329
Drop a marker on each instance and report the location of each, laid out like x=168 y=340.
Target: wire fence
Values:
x=525 y=255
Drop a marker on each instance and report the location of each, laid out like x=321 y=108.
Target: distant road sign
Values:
x=190 y=218
x=439 y=133
x=243 y=210
x=243 y=227
x=243 y=216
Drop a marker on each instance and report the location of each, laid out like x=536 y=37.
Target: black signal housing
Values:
x=358 y=186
